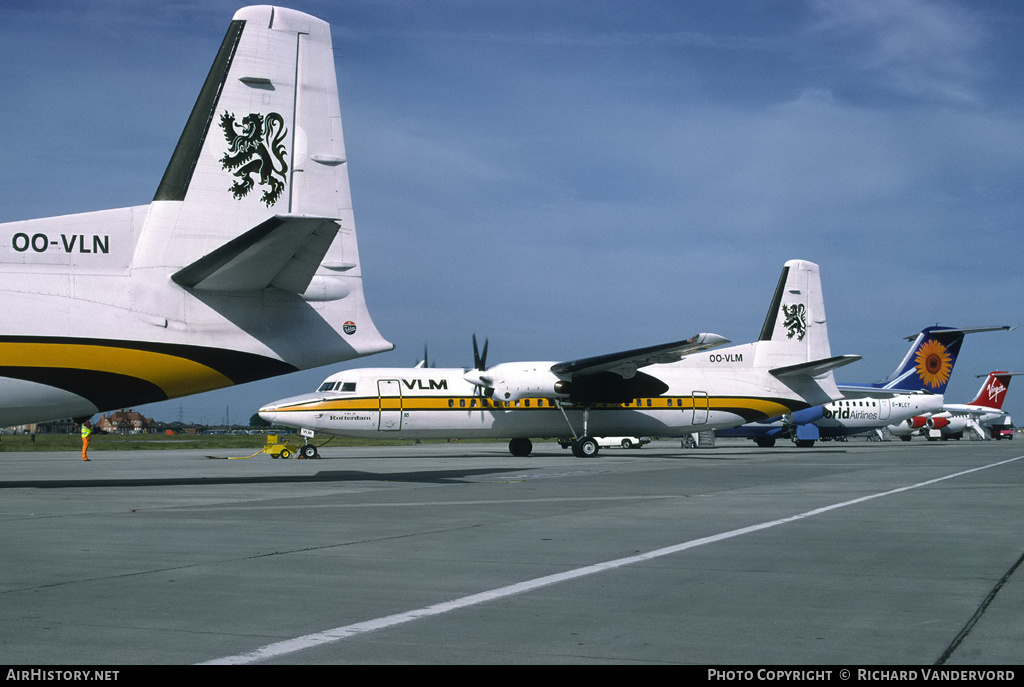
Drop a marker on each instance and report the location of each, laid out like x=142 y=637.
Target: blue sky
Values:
x=580 y=177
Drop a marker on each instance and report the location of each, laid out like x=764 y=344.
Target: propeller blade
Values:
x=423 y=363
x=476 y=376
x=480 y=359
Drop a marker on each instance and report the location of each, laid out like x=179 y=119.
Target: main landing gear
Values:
x=520 y=448
x=585 y=447
x=582 y=446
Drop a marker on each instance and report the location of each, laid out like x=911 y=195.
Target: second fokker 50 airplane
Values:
x=661 y=390
x=244 y=265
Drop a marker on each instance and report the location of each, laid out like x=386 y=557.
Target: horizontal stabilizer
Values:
x=814 y=368
x=284 y=252
x=626 y=363
x=853 y=391
x=969 y=330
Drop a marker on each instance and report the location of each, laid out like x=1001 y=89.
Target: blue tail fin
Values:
x=929 y=362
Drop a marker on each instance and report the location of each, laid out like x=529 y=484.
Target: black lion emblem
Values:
x=796 y=321
x=258 y=149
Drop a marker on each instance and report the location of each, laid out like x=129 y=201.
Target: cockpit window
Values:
x=337 y=386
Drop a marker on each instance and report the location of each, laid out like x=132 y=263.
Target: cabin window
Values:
x=462 y=403
x=451 y=402
x=526 y=403
x=472 y=403
x=648 y=403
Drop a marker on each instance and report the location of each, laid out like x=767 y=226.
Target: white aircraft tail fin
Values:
x=794 y=343
x=244 y=266
x=795 y=330
x=256 y=195
x=266 y=128
x=263 y=140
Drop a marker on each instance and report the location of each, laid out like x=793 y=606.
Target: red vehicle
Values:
x=1002 y=431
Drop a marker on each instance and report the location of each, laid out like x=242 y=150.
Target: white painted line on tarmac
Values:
x=290 y=646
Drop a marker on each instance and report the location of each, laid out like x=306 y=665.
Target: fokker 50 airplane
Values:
x=661 y=390
x=953 y=419
x=914 y=388
x=244 y=265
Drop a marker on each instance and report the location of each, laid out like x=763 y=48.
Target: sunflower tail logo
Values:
x=933 y=364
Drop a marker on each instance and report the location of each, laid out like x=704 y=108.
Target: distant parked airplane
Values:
x=953 y=419
x=914 y=388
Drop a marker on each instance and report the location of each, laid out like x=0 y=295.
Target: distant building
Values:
x=126 y=422
x=65 y=426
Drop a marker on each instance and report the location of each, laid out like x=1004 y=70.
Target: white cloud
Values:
x=920 y=49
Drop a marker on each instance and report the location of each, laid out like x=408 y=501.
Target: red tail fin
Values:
x=993 y=391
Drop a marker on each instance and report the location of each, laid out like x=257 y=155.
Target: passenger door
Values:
x=701 y=407
x=390 y=391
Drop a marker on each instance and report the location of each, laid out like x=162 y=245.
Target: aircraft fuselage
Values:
x=426 y=403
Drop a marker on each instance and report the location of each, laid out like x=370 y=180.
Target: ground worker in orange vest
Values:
x=86 y=437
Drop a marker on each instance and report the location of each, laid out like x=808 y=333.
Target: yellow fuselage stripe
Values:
x=175 y=375
x=680 y=403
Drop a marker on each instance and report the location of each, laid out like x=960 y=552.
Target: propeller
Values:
x=476 y=376
x=479 y=359
x=424 y=362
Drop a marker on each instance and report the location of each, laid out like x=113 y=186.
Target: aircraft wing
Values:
x=284 y=251
x=626 y=363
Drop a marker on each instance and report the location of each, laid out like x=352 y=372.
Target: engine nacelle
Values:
x=808 y=415
x=516 y=381
x=955 y=425
x=917 y=422
x=938 y=422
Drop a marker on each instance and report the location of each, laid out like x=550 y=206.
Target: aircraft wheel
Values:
x=586 y=447
x=688 y=442
x=765 y=442
x=804 y=443
x=905 y=438
x=520 y=447
x=308 y=452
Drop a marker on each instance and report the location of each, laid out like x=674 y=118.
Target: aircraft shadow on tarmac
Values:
x=419 y=476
